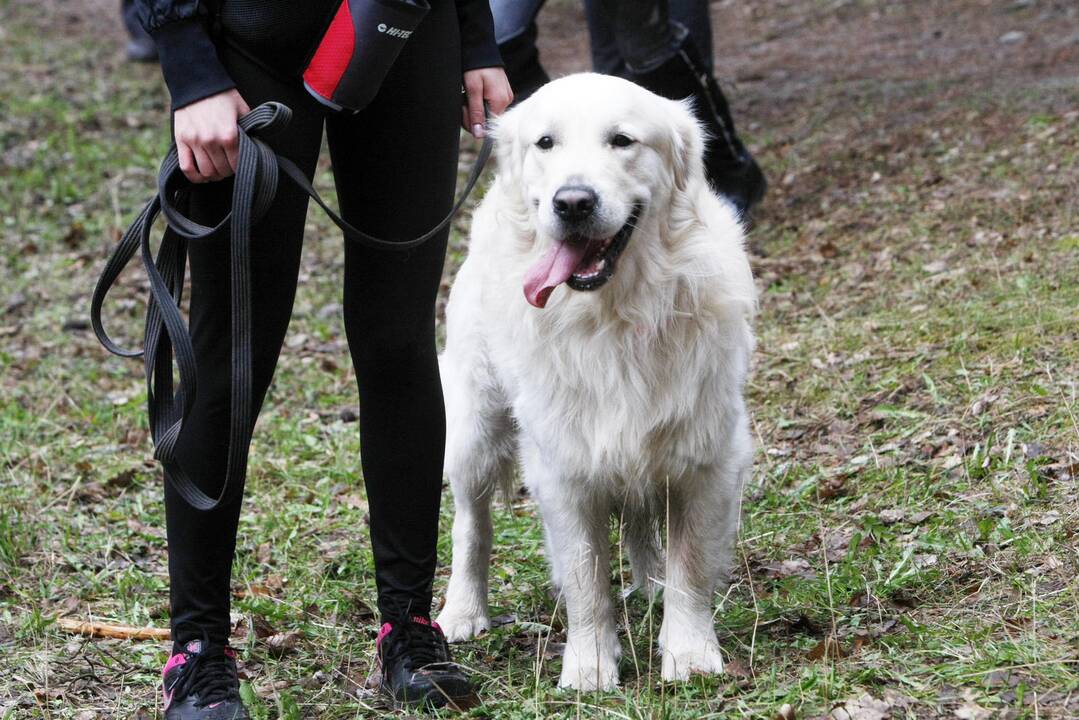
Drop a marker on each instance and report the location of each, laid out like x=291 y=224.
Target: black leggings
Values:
x=395 y=168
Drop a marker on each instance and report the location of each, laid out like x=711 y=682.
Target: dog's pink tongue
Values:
x=552 y=270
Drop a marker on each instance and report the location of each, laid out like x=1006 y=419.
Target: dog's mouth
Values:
x=582 y=263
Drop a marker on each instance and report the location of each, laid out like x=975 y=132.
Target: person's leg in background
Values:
x=662 y=56
x=202 y=543
x=691 y=14
x=140 y=46
x=515 y=33
x=694 y=16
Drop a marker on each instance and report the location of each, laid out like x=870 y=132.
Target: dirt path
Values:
x=784 y=58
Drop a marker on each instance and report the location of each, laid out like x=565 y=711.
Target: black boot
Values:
x=731 y=169
x=523 y=68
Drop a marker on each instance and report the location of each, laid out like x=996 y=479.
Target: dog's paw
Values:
x=681 y=663
x=588 y=669
x=460 y=626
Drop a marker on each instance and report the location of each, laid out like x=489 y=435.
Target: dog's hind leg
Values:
x=480 y=448
x=640 y=535
x=703 y=528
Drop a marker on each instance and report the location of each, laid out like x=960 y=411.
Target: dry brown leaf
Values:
x=283 y=643
x=785 y=712
x=44 y=695
x=122 y=479
x=828 y=648
x=831 y=486
x=971 y=711
x=264 y=553
x=736 y=668
x=262 y=627
x=268 y=690
x=891 y=516
x=865 y=707
x=254 y=589
x=789 y=568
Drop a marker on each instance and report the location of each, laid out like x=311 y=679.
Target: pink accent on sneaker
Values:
x=383 y=632
x=387 y=628
x=173 y=662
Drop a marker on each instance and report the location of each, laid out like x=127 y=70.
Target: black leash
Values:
x=254 y=189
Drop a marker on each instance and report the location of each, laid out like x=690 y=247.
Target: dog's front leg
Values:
x=703 y=528
x=465 y=614
x=578 y=539
x=479 y=459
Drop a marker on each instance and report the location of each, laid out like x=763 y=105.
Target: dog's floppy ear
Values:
x=686 y=144
x=508 y=149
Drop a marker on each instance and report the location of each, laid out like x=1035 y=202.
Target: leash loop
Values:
x=166 y=336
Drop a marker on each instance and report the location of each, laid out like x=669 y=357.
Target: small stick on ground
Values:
x=105 y=630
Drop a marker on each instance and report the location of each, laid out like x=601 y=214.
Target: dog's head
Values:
x=593 y=157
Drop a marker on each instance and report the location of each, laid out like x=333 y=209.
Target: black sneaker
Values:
x=200 y=683
x=416 y=667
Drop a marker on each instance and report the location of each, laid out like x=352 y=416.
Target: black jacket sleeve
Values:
x=478 y=47
x=188 y=57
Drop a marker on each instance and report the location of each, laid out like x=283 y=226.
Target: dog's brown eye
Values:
x=545 y=143
x=622 y=140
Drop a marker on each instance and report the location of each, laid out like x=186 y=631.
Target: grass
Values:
x=909 y=536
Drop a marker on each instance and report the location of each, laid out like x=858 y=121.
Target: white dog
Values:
x=621 y=393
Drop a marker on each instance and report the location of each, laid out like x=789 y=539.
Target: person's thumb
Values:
x=476 y=118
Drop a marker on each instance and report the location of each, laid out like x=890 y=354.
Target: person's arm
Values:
x=205 y=102
x=478 y=46
x=481 y=63
x=188 y=57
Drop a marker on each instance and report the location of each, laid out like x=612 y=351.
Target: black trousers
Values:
x=395 y=168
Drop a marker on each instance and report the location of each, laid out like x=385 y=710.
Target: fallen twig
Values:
x=106 y=630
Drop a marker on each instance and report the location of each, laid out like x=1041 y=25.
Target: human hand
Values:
x=490 y=84
x=207 y=136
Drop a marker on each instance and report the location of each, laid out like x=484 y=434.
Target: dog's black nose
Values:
x=574 y=203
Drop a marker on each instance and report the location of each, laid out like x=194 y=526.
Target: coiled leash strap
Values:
x=254 y=189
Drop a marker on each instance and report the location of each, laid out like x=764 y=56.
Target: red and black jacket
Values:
x=278 y=34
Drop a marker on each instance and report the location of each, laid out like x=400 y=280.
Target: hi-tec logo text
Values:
x=394 y=32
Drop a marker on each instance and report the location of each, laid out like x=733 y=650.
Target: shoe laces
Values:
x=209 y=674
x=417 y=643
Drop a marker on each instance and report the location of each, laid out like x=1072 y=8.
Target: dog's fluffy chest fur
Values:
x=622 y=403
